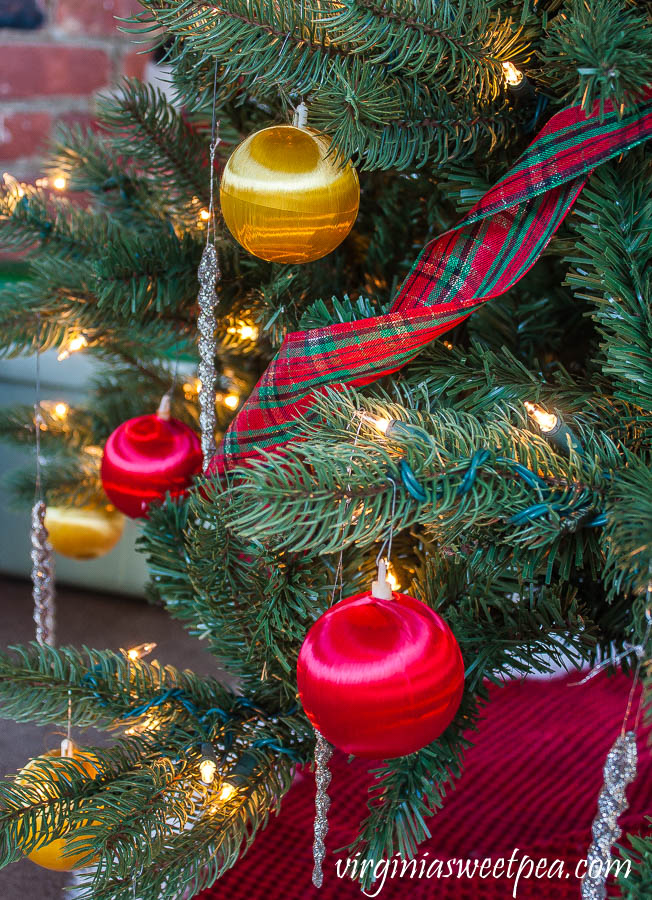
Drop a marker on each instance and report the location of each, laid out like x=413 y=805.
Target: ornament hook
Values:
x=300 y=118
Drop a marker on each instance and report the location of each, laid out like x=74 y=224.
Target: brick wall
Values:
x=54 y=56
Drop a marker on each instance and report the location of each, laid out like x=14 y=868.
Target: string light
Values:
x=227 y=792
x=54 y=409
x=190 y=388
x=15 y=191
x=545 y=420
x=13 y=184
x=394 y=428
x=207 y=764
x=231 y=400
x=59 y=183
x=94 y=450
x=246 y=331
x=150 y=723
x=391 y=577
x=140 y=650
x=381 y=425
x=76 y=343
x=554 y=429
x=513 y=76
x=204 y=215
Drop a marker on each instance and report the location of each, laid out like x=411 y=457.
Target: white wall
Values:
x=122 y=570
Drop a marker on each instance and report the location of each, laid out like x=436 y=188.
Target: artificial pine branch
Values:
x=637 y=885
x=628 y=534
x=460 y=46
x=614 y=224
x=148 y=788
x=312 y=481
x=388 y=117
x=29 y=217
x=36 y=680
x=88 y=162
x=599 y=52
x=248 y=566
x=145 y=127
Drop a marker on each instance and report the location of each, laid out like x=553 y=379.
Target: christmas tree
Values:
x=505 y=466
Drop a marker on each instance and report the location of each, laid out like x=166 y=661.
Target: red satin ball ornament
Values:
x=147 y=457
x=380 y=678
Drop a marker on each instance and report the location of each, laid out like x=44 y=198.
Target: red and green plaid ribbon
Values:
x=482 y=257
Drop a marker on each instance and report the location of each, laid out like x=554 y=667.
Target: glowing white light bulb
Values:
x=76 y=343
x=61 y=409
x=207 y=763
x=248 y=332
x=231 y=400
x=379 y=423
x=207 y=769
x=59 y=183
x=15 y=190
x=545 y=420
x=513 y=76
x=227 y=791
x=140 y=650
x=391 y=577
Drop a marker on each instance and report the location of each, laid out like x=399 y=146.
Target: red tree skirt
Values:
x=531 y=782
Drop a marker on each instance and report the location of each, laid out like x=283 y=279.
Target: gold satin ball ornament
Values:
x=52 y=854
x=83 y=532
x=284 y=200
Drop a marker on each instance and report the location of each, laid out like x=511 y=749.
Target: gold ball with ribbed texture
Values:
x=83 y=532
x=55 y=854
x=287 y=197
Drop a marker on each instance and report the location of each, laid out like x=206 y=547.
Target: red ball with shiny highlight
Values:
x=380 y=678
x=147 y=457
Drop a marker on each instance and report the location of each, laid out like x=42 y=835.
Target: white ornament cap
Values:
x=67 y=748
x=382 y=589
x=163 y=411
x=300 y=119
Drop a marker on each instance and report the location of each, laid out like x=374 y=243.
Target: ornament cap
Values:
x=300 y=118
x=164 y=408
x=382 y=589
x=67 y=748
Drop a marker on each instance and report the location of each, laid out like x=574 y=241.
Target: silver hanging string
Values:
x=390 y=537
x=208 y=275
x=323 y=750
x=339 y=570
x=43 y=590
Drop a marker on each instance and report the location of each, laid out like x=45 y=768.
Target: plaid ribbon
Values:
x=492 y=247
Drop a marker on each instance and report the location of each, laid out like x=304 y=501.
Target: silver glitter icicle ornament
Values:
x=619 y=771
x=42 y=576
x=42 y=554
x=208 y=274
x=323 y=753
